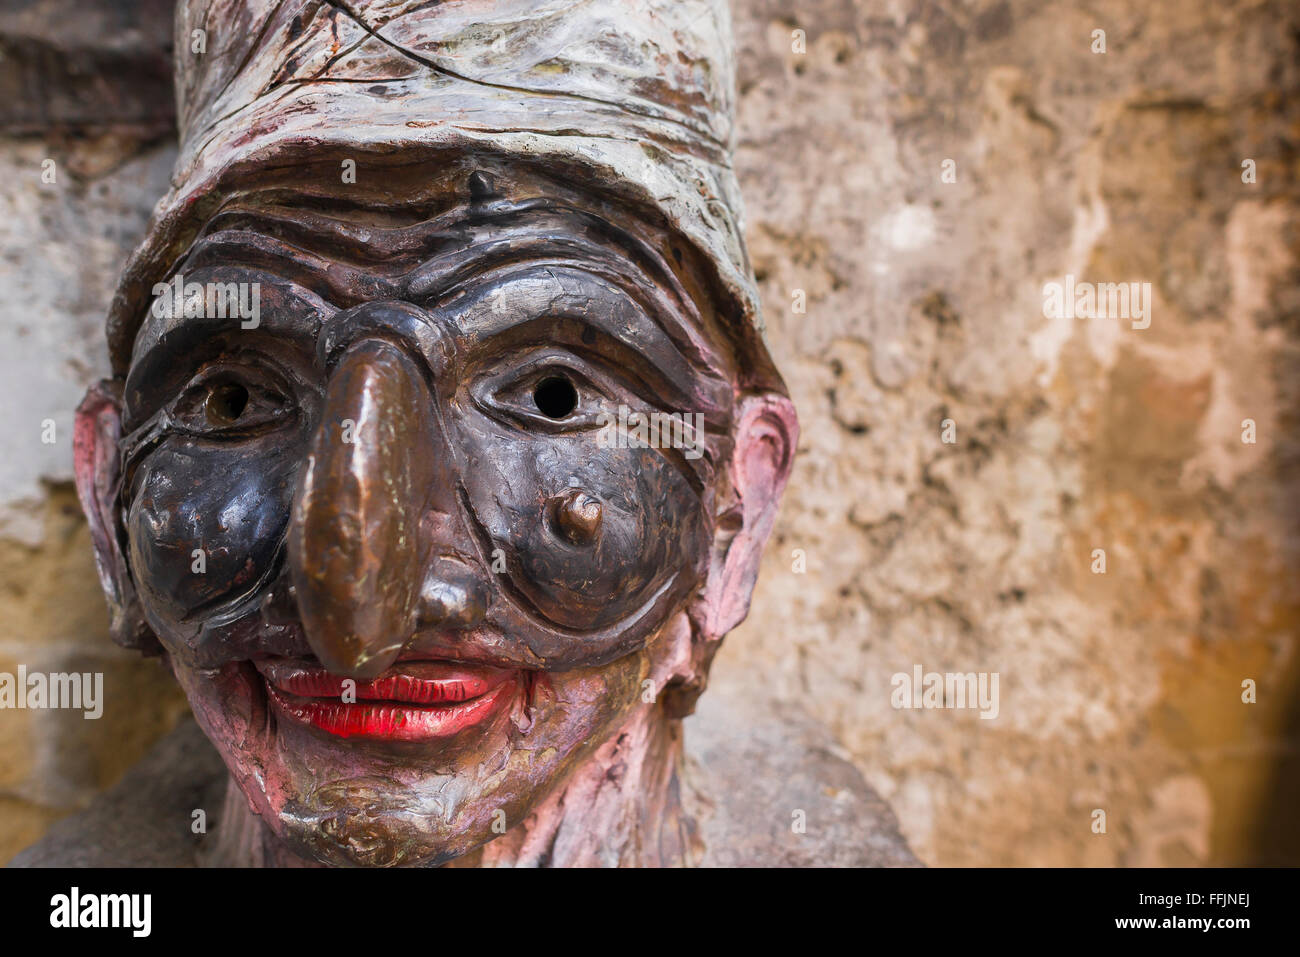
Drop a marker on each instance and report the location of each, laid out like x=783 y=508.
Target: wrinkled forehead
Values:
x=312 y=257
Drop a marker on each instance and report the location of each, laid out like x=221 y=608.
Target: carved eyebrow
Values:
x=338 y=282
x=348 y=259
x=342 y=285
x=167 y=351
x=155 y=328
x=344 y=262
x=315 y=232
x=541 y=291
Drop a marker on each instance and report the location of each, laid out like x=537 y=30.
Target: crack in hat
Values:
x=631 y=99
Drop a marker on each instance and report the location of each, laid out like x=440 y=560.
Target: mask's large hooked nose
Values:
x=355 y=551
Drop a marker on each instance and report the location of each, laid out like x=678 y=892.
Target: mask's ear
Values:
x=98 y=468
x=766 y=436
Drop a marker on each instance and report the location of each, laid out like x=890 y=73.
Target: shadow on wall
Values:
x=1275 y=840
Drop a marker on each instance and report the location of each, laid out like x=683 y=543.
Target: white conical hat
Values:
x=630 y=97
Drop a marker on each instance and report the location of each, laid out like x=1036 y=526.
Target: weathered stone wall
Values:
x=1119 y=691
x=85 y=86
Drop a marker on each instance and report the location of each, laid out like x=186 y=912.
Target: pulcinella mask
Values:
x=421 y=427
x=413 y=595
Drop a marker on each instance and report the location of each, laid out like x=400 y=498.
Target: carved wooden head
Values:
x=442 y=439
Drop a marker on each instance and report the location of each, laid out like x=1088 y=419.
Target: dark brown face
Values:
x=391 y=530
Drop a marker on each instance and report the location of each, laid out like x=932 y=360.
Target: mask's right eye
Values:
x=232 y=402
x=225 y=404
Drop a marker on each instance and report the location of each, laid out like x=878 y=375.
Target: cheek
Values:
x=206 y=524
x=649 y=536
x=592 y=698
x=575 y=714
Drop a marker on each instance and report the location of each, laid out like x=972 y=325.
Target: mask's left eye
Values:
x=232 y=402
x=546 y=395
x=555 y=396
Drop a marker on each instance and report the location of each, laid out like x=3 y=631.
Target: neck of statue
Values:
x=621 y=807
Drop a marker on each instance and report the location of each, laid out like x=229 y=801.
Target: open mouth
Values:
x=411 y=701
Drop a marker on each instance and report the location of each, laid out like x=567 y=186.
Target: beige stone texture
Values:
x=1120 y=691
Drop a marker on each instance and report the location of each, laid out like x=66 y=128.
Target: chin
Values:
x=375 y=788
x=361 y=823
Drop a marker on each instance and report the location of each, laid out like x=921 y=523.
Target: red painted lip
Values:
x=411 y=701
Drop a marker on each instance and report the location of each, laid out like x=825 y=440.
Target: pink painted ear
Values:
x=97 y=466
x=766 y=437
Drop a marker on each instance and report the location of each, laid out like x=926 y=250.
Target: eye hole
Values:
x=225 y=404
x=555 y=397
